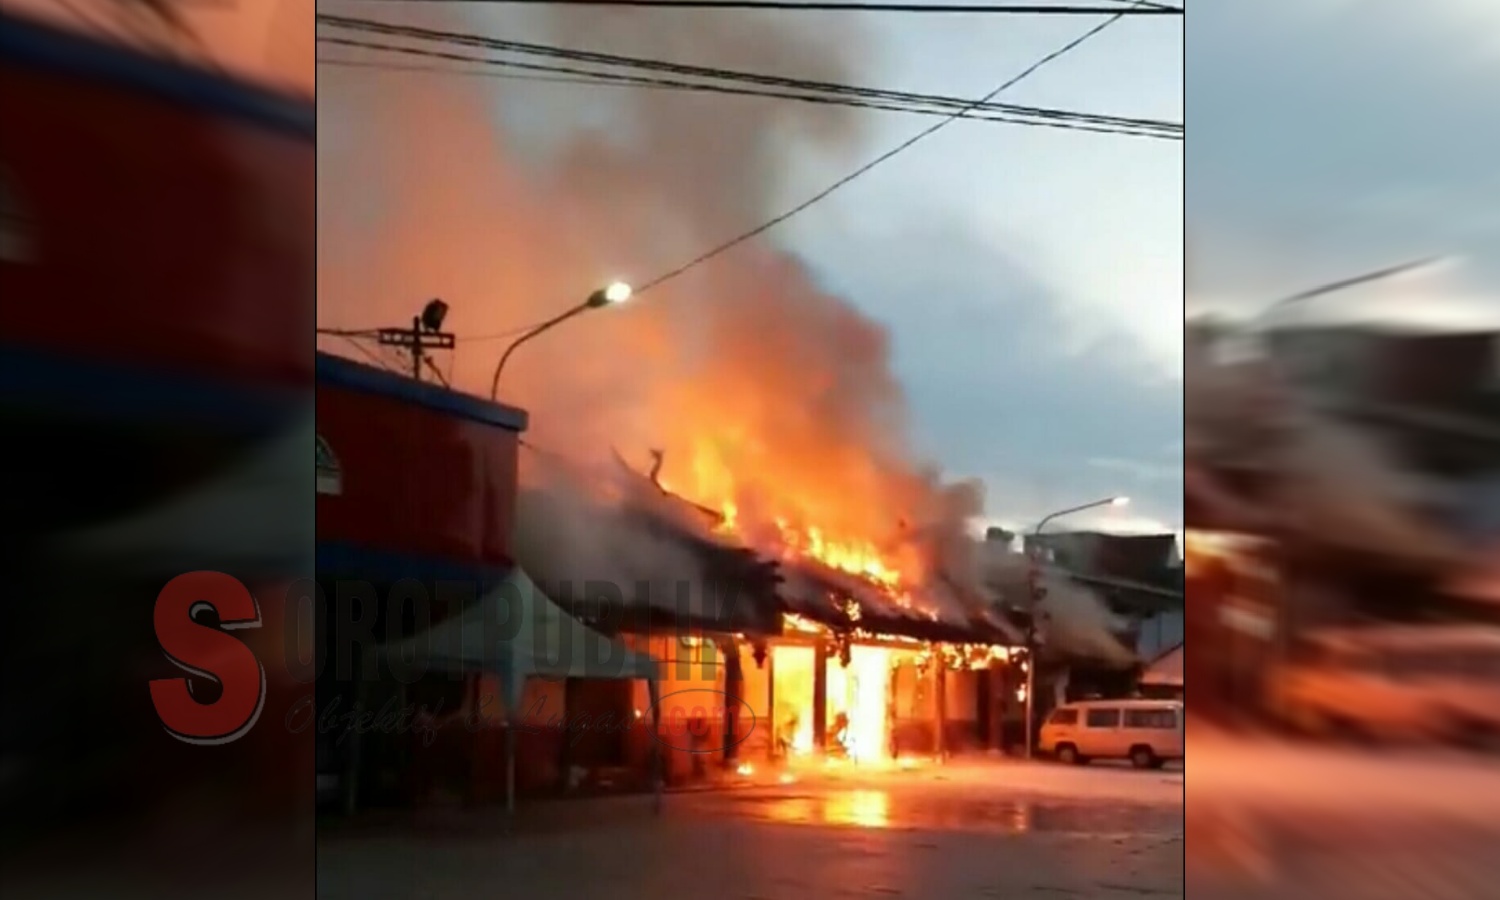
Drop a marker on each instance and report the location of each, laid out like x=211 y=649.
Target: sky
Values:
x=1029 y=279
x=1035 y=300
x=1334 y=137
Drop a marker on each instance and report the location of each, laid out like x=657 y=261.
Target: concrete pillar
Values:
x=771 y=721
x=734 y=687
x=939 y=706
x=820 y=697
x=999 y=690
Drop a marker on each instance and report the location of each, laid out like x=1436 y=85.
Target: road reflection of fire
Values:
x=858 y=808
x=866 y=809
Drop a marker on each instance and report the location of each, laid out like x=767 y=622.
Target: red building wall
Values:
x=427 y=476
x=157 y=217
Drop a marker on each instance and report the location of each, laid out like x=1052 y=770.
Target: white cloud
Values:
x=1139 y=470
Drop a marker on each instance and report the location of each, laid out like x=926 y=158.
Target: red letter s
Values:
x=207 y=652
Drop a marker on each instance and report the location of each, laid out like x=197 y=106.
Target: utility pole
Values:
x=1035 y=594
x=424 y=334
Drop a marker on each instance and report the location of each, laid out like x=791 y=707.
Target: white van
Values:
x=1146 y=732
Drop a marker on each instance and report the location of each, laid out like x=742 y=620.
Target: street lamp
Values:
x=613 y=293
x=1035 y=595
x=1345 y=284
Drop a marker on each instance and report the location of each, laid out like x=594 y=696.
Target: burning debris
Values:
x=573 y=528
x=615 y=524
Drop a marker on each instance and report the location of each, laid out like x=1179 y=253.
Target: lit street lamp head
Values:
x=614 y=292
x=1119 y=501
x=609 y=295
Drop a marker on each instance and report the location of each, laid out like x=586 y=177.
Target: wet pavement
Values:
x=1272 y=819
x=1006 y=830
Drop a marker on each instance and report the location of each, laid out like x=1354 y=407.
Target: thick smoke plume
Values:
x=514 y=201
x=766 y=395
x=1076 y=623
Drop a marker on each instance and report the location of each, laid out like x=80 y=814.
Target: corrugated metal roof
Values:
x=1166 y=670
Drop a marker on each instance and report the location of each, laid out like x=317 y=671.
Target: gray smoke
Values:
x=1332 y=484
x=1078 y=623
x=512 y=200
x=570 y=530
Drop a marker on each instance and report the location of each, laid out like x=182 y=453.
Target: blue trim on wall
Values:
x=51 y=49
x=344 y=559
x=80 y=388
x=335 y=371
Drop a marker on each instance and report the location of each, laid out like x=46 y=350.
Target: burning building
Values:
x=1334 y=476
x=829 y=653
x=784 y=466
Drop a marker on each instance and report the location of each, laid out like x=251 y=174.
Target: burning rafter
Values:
x=647 y=496
x=844 y=588
x=612 y=523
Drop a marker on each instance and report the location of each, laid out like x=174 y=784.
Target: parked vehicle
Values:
x=1147 y=732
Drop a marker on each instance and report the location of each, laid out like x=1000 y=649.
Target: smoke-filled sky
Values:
x=1332 y=137
x=1002 y=302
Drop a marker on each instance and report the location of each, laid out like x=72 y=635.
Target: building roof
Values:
x=1166 y=670
x=1129 y=561
x=336 y=371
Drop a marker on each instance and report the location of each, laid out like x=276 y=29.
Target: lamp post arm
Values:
x=550 y=323
x=1034 y=597
x=1345 y=284
x=1068 y=512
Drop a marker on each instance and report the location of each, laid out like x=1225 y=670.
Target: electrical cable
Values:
x=889 y=154
x=349 y=332
x=500 y=335
x=1058 y=119
x=485 y=42
x=366 y=352
x=443 y=379
x=857 y=92
x=1030 y=9
x=449 y=37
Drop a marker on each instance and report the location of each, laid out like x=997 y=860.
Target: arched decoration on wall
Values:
x=330 y=473
x=17 y=230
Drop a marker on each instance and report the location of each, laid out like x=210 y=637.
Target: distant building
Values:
x=1151 y=560
x=1164 y=677
x=1445 y=370
x=1157 y=634
x=997 y=535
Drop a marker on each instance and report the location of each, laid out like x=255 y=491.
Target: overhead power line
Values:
x=929 y=105
x=1140 y=9
x=722 y=81
x=472 y=40
x=877 y=161
x=349 y=332
x=353 y=339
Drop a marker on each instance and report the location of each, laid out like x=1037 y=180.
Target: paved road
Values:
x=995 y=831
x=1292 y=821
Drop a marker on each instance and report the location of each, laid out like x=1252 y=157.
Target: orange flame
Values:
x=787 y=538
